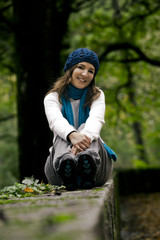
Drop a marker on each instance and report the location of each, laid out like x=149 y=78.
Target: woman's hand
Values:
x=79 y=141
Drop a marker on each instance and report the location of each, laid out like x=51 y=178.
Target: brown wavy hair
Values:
x=60 y=86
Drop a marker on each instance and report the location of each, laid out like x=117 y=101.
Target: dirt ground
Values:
x=140 y=217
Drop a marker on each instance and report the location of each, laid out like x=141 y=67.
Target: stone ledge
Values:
x=77 y=215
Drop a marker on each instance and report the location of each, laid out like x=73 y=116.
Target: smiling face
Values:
x=82 y=75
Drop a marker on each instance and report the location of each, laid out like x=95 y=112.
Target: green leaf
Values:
x=29 y=181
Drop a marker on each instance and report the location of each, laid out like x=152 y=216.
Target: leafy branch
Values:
x=128 y=46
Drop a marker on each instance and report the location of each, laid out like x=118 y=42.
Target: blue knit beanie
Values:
x=82 y=55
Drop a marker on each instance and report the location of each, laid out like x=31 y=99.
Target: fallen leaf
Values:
x=28 y=189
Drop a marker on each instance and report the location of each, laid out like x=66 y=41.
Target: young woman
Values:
x=75 y=110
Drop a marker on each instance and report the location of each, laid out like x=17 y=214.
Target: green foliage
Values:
x=7 y=37
x=8 y=121
x=28 y=188
x=140 y=164
x=8 y=131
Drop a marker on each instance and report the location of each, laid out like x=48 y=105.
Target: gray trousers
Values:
x=96 y=150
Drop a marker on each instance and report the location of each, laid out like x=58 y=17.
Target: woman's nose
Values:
x=85 y=72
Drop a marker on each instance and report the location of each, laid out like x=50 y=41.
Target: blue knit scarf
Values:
x=76 y=93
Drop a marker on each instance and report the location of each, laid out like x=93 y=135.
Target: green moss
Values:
x=98 y=189
x=6 y=201
x=60 y=218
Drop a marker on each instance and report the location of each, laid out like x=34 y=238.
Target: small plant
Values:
x=28 y=188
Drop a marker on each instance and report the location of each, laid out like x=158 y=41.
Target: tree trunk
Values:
x=39 y=28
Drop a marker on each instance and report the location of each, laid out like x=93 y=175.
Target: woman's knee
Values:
x=50 y=173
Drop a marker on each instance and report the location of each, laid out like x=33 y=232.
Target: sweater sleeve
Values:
x=57 y=123
x=95 y=120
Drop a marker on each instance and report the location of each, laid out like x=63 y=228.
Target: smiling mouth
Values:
x=82 y=80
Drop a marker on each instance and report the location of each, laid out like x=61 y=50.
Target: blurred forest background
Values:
x=35 y=40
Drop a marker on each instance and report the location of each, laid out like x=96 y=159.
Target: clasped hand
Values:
x=79 y=141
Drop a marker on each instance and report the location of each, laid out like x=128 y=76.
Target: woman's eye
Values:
x=80 y=67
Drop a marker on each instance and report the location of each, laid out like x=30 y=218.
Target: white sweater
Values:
x=61 y=127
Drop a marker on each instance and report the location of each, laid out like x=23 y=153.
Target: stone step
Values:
x=77 y=215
